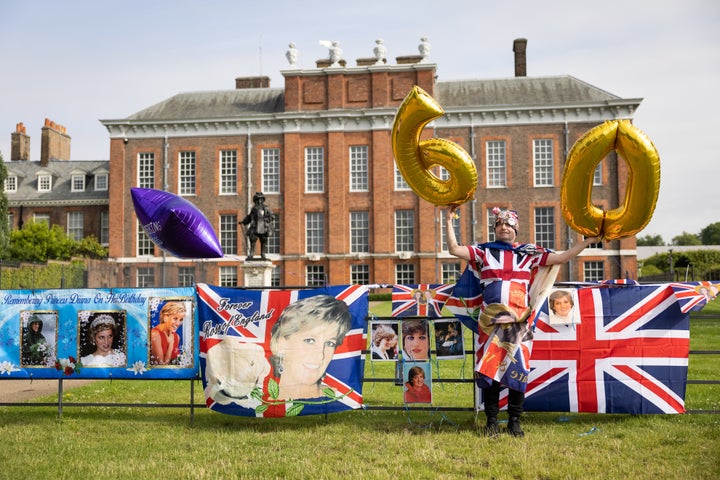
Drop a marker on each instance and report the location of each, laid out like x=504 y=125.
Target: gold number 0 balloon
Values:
x=641 y=192
x=415 y=158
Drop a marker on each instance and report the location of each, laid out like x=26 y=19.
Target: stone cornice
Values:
x=369 y=119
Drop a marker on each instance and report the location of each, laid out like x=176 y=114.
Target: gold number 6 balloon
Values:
x=641 y=192
x=416 y=158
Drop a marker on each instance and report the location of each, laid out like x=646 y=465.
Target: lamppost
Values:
x=670 y=259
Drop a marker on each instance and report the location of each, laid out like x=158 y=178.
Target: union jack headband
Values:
x=507 y=216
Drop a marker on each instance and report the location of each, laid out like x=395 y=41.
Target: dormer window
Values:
x=11 y=184
x=44 y=182
x=77 y=183
x=101 y=181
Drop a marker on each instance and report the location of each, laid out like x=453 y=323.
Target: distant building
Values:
x=56 y=190
x=320 y=150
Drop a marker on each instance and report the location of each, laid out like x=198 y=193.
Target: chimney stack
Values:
x=19 y=143
x=519 y=47
x=252 y=82
x=54 y=143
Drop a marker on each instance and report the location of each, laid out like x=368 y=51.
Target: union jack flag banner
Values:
x=275 y=353
x=626 y=352
x=422 y=300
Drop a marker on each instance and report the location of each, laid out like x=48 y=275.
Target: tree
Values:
x=36 y=242
x=710 y=235
x=650 y=241
x=4 y=227
x=686 y=239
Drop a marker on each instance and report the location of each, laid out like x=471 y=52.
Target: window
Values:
x=145 y=277
x=359 y=232
x=75 y=225
x=405 y=273
x=101 y=182
x=315 y=275
x=11 y=221
x=186 y=276
x=271 y=170
x=360 y=274
x=42 y=218
x=597 y=175
x=44 y=183
x=544 y=167
x=314 y=170
x=187 y=173
x=11 y=184
x=314 y=232
x=496 y=164
x=404 y=230
x=146 y=170
x=400 y=183
x=77 y=183
x=545 y=227
x=273 y=240
x=144 y=244
x=359 y=168
x=450 y=272
x=228 y=276
x=443 y=229
x=228 y=172
x=275 y=277
x=104 y=228
x=229 y=234
x=593 y=271
x=491 y=225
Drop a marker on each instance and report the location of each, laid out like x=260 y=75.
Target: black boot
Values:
x=514 y=428
x=491 y=427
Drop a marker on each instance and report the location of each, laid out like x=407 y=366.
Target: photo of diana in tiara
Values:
x=102 y=339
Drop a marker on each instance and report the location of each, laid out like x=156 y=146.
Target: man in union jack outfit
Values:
x=505 y=271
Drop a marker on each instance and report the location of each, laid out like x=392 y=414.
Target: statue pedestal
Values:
x=257 y=273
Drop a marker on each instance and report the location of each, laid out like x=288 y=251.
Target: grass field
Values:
x=134 y=442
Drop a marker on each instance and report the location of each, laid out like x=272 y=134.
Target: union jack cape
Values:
x=235 y=329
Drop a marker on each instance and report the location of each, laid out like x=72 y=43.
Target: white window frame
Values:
x=270 y=170
x=359 y=168
x=101 y=182
x=75 y=228
x=187 y=171
x=44 y=182
x=11 y=184
x=229 y=234
x=360 y=274
x=314 y=170
x=405 y=273
x=228 y=276
x=77 y=182
x=496 y=154
x=315 y=275
x=360 y=232
x=146 y=170
x=314 y=232
x=543 y=162
x=400 y=184
x=404 y=230
x=545 y=227
x=228 y=165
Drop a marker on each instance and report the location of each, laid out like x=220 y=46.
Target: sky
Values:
x=78 y=62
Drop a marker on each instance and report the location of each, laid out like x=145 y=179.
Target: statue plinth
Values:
x=257 y=273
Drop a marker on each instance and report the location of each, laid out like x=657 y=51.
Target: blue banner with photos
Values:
x=99 y=333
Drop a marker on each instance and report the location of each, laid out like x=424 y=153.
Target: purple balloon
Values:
x=174 y=224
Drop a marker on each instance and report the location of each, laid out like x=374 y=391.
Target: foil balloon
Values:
x=415 y=158
x=174 y=224
x=642 y=186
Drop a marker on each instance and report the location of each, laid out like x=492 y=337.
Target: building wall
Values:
x=336 y=91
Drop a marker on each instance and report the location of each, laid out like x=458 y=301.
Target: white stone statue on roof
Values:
x=292 y=55
x=379 y=52
x=424 y=48
x=335 y=53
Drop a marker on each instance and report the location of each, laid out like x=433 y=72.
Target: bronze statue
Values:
x=258 y=225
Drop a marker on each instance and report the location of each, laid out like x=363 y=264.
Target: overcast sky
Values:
x=79 y=61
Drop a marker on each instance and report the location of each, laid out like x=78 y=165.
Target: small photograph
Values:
x=561 y=304
x=448 y=339
x=384 y=344
x=38 y=331
x=418 y=383
x=171 y=332
x=102 y=338
x=416 y=340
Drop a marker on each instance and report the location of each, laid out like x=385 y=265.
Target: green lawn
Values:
x=135 y=442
